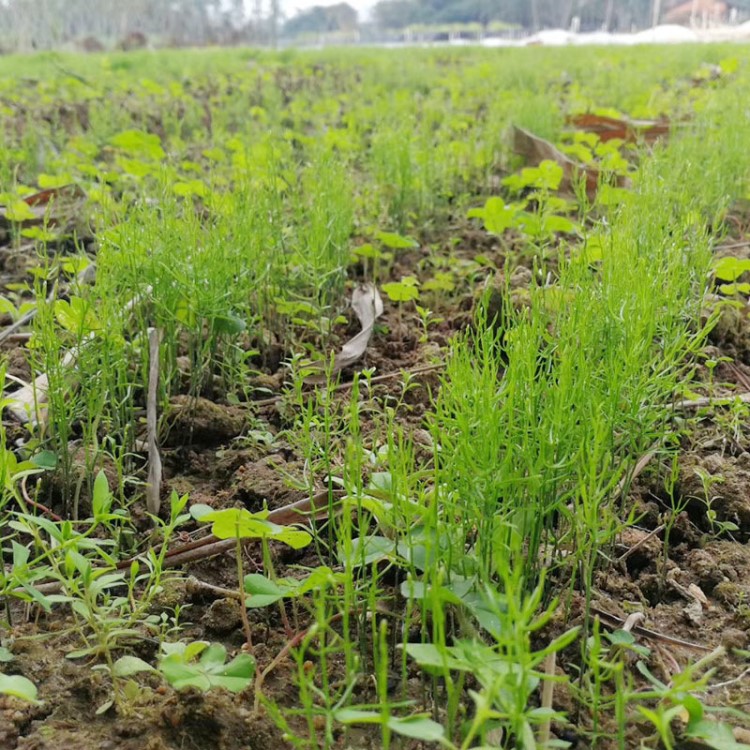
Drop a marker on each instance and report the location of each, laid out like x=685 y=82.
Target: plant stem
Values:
x=241 y=590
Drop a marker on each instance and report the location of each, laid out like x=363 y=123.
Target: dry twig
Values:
x=548 y=692
x=614 y=621
x=310 y=508
x=153 y=487
x=699 y=403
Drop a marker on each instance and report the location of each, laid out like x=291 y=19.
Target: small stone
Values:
x=223 y=617
x=694 y=613
x=203 y=422
x=728 y=593
x=521 y=277
x=713 y=463
x=734 y=638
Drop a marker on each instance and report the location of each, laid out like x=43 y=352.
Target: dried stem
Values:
x=153 y=491
x=241 y=585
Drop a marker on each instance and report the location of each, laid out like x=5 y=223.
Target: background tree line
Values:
x=612 y=15
x=50 y=24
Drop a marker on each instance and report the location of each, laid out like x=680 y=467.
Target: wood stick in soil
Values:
x=201 y=549
x=153 y=486
x=611 y=620
x=699 y=403
x=315 y=507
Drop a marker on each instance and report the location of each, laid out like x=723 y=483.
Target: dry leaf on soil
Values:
x=631 y=131
x=536 y=150
x=55 y=207
x=368 y=307
x=697 y=593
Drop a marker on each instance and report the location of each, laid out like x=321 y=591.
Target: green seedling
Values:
x=203 y=666
x=377 y=260
x=426 y=318
x=380 y=260
x=395 y=241
x=18 y=686
x=239 y=524
x=124 y=691
x=263 y=591
x=545 y=177
x=401 y=292
x=416 y=727
x=497 y=216
x=708 y=481
x=728 y=270
x=77 y=316
x=442 y=281
x=680 y=698
x=540 y=224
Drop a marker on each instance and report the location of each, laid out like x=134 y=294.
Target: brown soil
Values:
x=693 y=584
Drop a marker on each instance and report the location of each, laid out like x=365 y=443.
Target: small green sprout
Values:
x=239 y=524
x=181 y=669
x=496 y=216
x=547 y=176
x=729 y=269
x=18 y=686
x=402 y=291
x=263 y=591
x=376 y=256
x=77 y=316
x=396 y=241
x=443 y=281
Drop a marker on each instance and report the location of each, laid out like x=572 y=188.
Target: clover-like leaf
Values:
x=76 y=315
x=263 y=591
x=367 y=550
x=139 y=143
x=239 y=523
x=396 y=241
x=19 y=211
x=402 y=291
x=495 y=214
x=730 y=269
x=128 y=665
x=19 y=687
x=417 y=727
x=209 y=671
